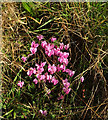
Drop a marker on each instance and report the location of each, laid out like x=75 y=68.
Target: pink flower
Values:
x=64 y=81
x=66 y=90
x=49 y=49
x=52 y=69
x=70 y=72
x=48 y=91
x=34 y=70
x=60 y=59
x=29 y=72
x=49 y=77
x=35 y=81
x=33 y=50
x=42 y=77
x=61 y=97
x=38 y=76
x=40 y=37
x=65 y=55
x=43 y=44
x=20 y=84
x=34 y=45
x=60 y=54
x=53 y=39
x=40 y=68
x=66 y=85
x=65 y=61
x=66 y=47
x=57 y=51
x=50 y=52
x=43 y=64
x=62 y=67
x=24 y=58
x=61 y=46
x=49 y=46
x=43 y=112
x=82 y=79
x=54 y=81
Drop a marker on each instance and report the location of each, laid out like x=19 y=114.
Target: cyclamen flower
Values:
x=24 y=58
x=60 y=59
x=49 y=46
x=49 y=49
x=48 y=91
x=64 y=81
x=42 y=77
x=62 y=67
x=40 y=37
x=66 y=90
x=66 y=47
x=40 y=68
x=65 y=61
x=65 y=54
x=82 y=79
x=43 y=44
x=20 y=84
x=43 y=112
x=33 y=50
x=35 y=81
x=52 y=69
x=61 y=97
x=66 y=84
x=34 y=45
x=31 y=71
x=48 y=77
x=70 y=72
x=43 y=64
x=54 y=81
x=57 y=51
x=53 y=39
x=50 y=52
x=61 y=46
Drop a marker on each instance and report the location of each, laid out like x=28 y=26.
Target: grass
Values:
x=84 y=27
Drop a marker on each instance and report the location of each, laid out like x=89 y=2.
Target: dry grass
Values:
x=72 y=23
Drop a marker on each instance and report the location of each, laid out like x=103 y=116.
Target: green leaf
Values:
x=8 y=113
x=26 y=6
x=22 y=116
x=46 y=23
x=14 y=115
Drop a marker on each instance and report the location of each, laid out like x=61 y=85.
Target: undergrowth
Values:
x=81 y=25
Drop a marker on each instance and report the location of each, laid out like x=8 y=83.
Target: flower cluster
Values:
x=48 y=74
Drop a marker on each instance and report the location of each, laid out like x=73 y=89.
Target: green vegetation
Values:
x=84 y=27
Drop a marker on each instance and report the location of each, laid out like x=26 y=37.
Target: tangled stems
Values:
x=48 y=73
